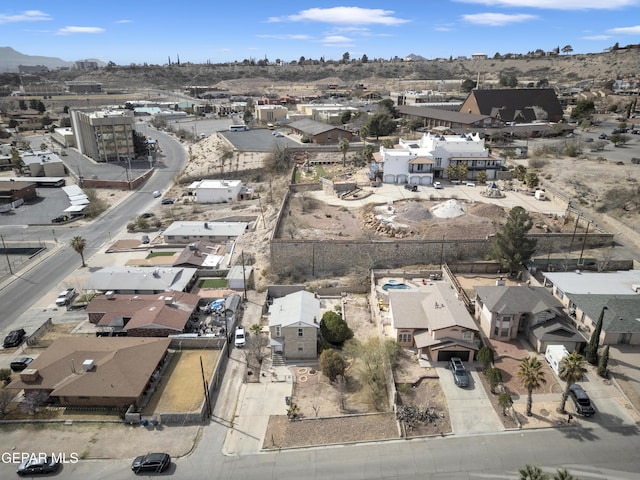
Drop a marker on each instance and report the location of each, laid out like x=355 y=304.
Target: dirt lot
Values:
x=180 y=389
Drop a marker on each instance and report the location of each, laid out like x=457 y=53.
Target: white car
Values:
x=65 y=297
x=156 y=194
x=470 y=184
x=240 y=337
x=437 y=185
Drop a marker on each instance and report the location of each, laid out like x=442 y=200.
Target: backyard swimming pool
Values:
x=395 y=286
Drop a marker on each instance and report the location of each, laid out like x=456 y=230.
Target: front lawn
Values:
x=213 y=283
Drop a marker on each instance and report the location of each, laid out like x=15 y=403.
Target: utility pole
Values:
x=7 y=254
x=244 y=277
x=584 y=241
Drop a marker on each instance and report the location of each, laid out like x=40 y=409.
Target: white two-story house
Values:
x=420 y=162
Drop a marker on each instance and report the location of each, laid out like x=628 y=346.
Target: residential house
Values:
x=434 y=321
x=505 y=312
x=587 y=295
x=421 y=161
x=515 y=105
x=216 y=232
x=294 y=321
x=151 y=315
x=80 y=371
x=204 y=255
x=219 y=191
x=318 y=132
x=141 y=280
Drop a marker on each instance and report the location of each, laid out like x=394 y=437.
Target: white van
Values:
x=554 y=355
x=240 y=338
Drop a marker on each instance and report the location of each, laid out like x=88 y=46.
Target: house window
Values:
x=301 y=347
x=405 y=337
x=300 y=332
x=278 y=332
x=467 y=335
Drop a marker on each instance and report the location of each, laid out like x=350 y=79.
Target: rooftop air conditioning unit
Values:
x=168 y=300
x=109 y=295
x=88 y=365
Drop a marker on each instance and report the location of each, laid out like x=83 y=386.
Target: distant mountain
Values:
x=414 y=57
x=10 y=59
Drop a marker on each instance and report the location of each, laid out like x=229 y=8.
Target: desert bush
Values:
x=537 y=162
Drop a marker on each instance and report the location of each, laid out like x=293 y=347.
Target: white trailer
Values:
x=554 y=355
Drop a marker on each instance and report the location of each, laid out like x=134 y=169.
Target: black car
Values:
x=14 y=338
x=167 y=201
x=60 y=219
x=581 y=400
x=603 y=136
x=413 y=188
x=148 y=215
x=21 y=363
x=151 y=462
x=37 y=465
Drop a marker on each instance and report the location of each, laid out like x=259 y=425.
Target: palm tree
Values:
x=532 y=377
x=79 y=244
x=572 y=368
x=531 y=472
x=344 y=148
x=563 y=474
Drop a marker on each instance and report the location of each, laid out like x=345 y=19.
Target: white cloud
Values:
x=344 y=16
x=26 y=16
x=626 y=30
x=558 y=4
x=336 y=39
x=597 y=37
x=497 y=19
x=286 y=36
x=73 y=30
x=124 y=21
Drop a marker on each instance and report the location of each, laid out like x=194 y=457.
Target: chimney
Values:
x=29 y=375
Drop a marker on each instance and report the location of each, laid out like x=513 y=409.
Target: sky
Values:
x=141 y=31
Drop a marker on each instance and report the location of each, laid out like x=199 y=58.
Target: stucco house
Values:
x=587 y=295
x=219 y=191
x=141 y=280
x=420 y=162
x=434 y=321
x=189 y=232
x=94 y=372
x=294 y=321
x=319 y=132
x=505 y=312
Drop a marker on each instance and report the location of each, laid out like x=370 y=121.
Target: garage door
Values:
x=445 y=355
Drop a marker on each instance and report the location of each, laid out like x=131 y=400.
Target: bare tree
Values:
x=340 y=383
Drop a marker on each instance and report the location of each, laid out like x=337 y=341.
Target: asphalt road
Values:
x=24 y=290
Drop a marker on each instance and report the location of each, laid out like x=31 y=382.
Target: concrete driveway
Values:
x=469 y=408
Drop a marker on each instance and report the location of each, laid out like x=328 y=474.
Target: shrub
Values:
x=334 y=329
x=332 y=364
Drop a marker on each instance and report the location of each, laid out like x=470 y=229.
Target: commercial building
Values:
x=104 y=136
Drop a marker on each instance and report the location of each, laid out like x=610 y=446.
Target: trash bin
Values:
x=287 y=401
x=145 y=422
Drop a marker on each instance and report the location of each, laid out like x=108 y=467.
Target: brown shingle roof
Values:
x=123 y=366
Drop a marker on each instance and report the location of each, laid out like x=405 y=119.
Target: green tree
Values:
x=532 y=378
x=505 y=401
x=41 y=107
x=512 y=247
x=334 y=329
x=494 y=377
x=387 y=106
x=482 y=177
x=451 y=171
x=332 y=364
x=567 y=49
x=594 y=341
x=468 y=85
x=619 y=138
x=79 y=244
x=583 y=109
x=345 y=57
x=519 y=172
x=603 y=362
x=462 y=169
x=531 y=472
x=16 y=159
x=367 y=152
x=345 y=117
x=571 y=369
x=380 y=124
x=531 y=179
x=343 y=144
x=485 y=357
